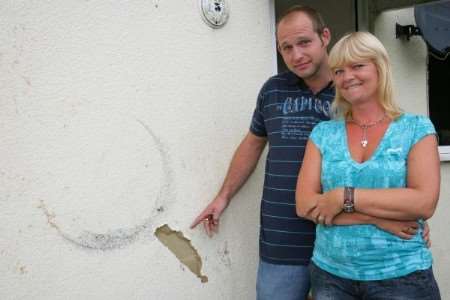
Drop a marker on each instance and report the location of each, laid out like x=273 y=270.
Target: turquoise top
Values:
x=365 y=252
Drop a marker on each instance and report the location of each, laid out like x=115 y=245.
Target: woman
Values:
x=371 y=163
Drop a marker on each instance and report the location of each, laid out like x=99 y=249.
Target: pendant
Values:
x=364 y=143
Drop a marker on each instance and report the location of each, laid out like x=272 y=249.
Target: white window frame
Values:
x=444 y=153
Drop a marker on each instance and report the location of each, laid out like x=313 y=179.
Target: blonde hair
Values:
x=364 y=46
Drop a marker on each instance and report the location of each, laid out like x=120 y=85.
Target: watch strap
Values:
x=349 y=199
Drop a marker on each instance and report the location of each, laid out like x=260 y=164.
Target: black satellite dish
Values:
x=433 y=20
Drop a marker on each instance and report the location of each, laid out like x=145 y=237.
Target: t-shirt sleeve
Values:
x=317 y=135
x=257 y=125
x=423 y=127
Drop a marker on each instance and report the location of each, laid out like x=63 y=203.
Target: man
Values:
x=288 y=107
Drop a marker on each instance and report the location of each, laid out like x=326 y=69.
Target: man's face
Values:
x=303 y=51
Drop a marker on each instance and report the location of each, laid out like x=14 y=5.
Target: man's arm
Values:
x=243 y=163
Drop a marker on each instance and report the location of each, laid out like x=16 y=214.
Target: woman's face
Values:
x=357 y=82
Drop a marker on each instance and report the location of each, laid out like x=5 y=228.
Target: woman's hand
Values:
x=329 y=205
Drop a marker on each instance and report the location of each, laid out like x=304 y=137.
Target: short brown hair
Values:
x=315 y=17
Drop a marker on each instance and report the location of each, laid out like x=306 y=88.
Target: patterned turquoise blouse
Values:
x=364 y=252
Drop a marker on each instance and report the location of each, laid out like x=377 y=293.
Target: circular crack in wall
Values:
x=68 y=221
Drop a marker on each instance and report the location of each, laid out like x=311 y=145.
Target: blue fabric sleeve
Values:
x=317 y=134
x=423 y=127
x=257 y=125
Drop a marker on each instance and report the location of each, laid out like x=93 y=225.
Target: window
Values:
x=433 y=21
x=439 y=99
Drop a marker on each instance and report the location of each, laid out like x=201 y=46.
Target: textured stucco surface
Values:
x=116 y=118
x=409 y=60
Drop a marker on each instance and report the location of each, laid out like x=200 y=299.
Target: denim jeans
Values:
x=417 y=285
x=282 y=282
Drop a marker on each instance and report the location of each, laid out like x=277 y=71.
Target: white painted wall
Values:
x=409 y=60
x=117 y=117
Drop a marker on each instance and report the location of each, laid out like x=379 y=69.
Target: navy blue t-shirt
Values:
x=285 y=113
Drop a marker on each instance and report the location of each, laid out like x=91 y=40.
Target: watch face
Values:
x=348 y=207
x=215 y=13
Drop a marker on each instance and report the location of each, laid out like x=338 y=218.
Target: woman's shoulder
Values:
x=328 y=133
x=333 y=123
x=414 y=125
x=326 y=127
x=410 y=118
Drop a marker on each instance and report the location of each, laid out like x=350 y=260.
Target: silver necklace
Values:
x=364 y=141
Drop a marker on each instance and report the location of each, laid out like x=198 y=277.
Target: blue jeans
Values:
x=283 y=282
x=417 y=285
